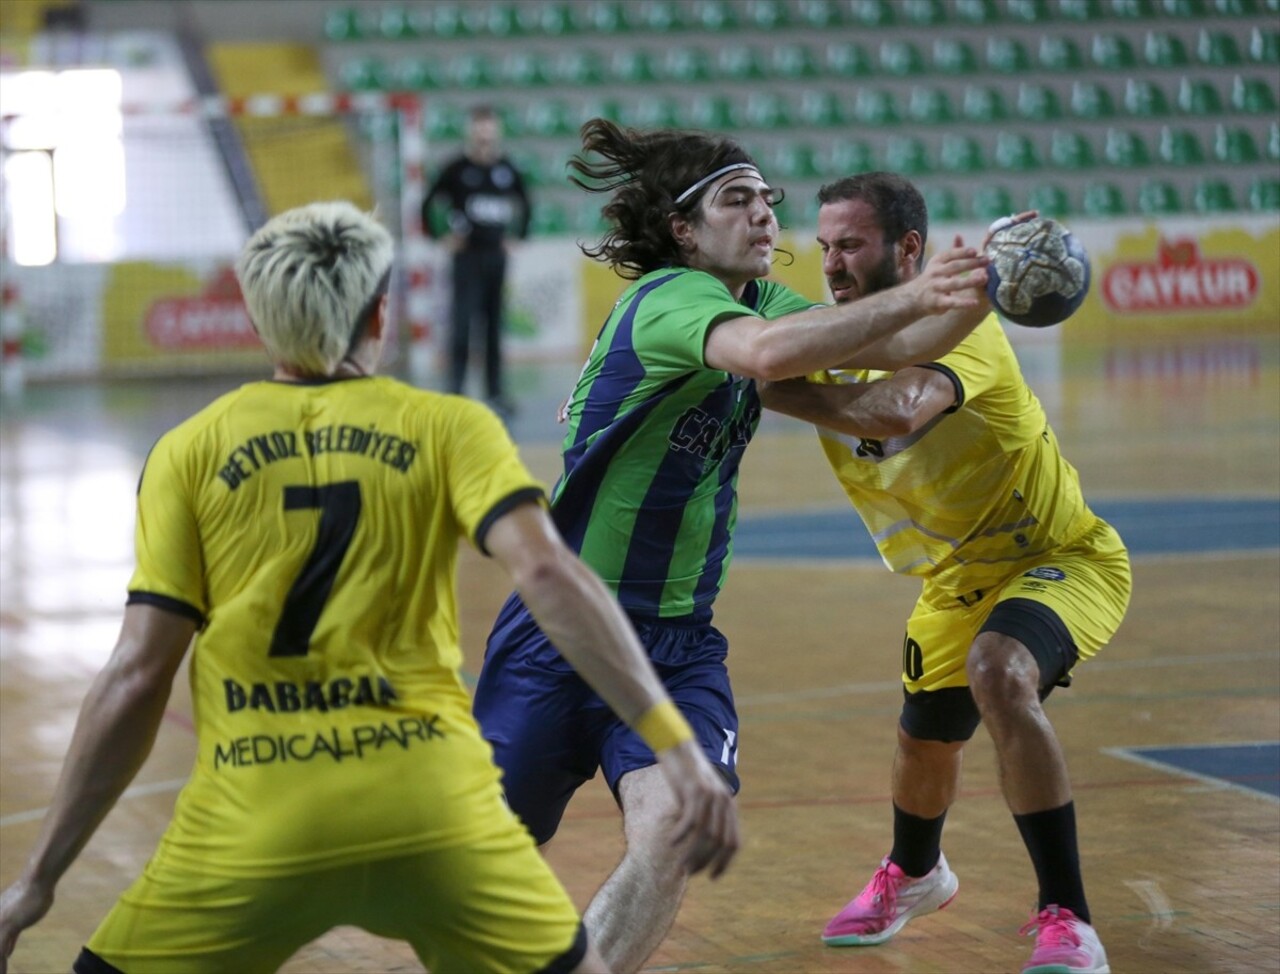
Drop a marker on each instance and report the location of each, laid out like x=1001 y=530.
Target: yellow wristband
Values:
x=663 y=726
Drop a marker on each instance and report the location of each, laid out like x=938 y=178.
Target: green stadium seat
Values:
x=547 y=19
x=1234 y=8
x=1132 y=9
x=849 y=156
x=711 y=111
x=632 y=66
x=767 y=15
x=870 y=13
x=533 y=168
x=991 y=201
x=687 y=65
x=845 y=59
x=399 y=24
x=1252 y=95
x=1070 y=150
x=1213 y=195
x=1198 y=97
x=1060 y=53
x=1158 y=197
x=417 y=74
x=792 y=160
x=601 y=16
x=983 y=103
x=1007 y=55
x=605 y=106
x=980 y=13
x=447 y=22
x=442 y=121
x=960 y=154
x=525 y=69
x=365 y=74
x=793 y=61
x=1126 y=149
x=580 y=67
x=1038 y=103
x=736 y=62
x=712 y=15
x=502 y=20
x=548 y=118
x=1235 y=145
x=930 y=106
x=549 y=218
x=951 y=55
x=1264 y=46
x=1180 y=147
x=819 y=14
x=821 y=109
x=1264 y=193
x=665 y=16
x=1102 y=200
x=907 y=154
x=1027 y=11
x=1187 y=9
x=657 y=112
x=1090 y=100
x=875 y=106
x=923 y=13
x=1144 y=98
x=1273 y=141
x=344 y=24
x=765 y=110
x=1016 y=152
x=1113 y=52
x=1080 y=11
x=1217 y=48
x=1162 y=49
x=901 y=58
x=511 y=119
x=941 y=204
x=468 y=71
x=1050 y=199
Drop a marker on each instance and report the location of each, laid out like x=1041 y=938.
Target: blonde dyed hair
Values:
x=311 y=278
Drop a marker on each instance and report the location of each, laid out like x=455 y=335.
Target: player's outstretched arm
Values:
x=113 y=735
x=585 y=623
x=820 y=338
x=894 y=406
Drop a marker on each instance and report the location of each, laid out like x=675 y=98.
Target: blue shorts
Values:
x=550 y=731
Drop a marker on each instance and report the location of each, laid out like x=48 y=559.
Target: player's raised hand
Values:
x=21 y=906
x=953 y=278
x=706 y=817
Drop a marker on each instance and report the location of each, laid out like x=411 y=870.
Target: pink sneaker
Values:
x=888 y=902
x=1065 y=944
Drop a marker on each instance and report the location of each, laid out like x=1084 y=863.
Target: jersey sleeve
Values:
x=672 y=321
x=169 y=569
x=485 y=474
x=973 y=365
x=777 y=300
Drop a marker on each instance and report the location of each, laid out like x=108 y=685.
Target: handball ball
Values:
x=1038 y=273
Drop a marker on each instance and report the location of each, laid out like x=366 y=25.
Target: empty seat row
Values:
x=507 y=18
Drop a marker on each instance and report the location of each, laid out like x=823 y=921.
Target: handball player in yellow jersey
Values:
x=304 y=530
x=957 y=475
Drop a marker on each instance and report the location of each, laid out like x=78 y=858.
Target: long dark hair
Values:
x=645 y=171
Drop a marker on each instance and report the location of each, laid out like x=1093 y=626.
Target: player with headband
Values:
x=657 y=425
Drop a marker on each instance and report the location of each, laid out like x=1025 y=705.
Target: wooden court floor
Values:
x=1183 y=873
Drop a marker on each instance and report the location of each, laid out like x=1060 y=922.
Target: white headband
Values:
x=712 y=178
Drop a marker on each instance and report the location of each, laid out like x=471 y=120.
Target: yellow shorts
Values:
x=1085 y=584
x=491 y=906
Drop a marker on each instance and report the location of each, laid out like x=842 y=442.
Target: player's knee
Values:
x=1001 y=672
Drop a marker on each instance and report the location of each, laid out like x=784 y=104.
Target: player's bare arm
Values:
x=894 y=406
x=584 y=622
x=807 y=341
x=114 y=734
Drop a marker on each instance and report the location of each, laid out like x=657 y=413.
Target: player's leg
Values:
x=461 y=313
x=938 y=717
x=632 y=911
x=492 y=313
x=1047 y=619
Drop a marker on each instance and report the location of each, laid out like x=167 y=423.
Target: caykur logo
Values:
x=1180 y=279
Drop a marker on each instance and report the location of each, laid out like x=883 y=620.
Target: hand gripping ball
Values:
x=1038 y=273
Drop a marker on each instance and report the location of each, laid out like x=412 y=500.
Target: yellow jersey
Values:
x=978 y=489
x=312 y=530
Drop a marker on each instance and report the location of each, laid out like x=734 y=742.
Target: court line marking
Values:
x=1216 y=784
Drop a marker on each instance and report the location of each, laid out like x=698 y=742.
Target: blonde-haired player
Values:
x=304 y=530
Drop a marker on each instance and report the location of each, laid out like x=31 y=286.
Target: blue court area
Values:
x=1255 y=766
x=1149 y=527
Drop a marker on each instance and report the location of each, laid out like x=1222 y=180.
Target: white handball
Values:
x=1039 y=273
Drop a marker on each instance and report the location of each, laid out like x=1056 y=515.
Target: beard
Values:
x=884 y=275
